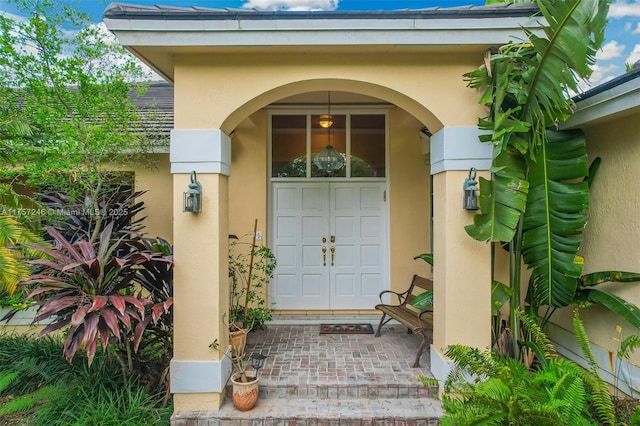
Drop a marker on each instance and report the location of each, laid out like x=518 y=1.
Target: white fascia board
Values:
x=399 y=32
x=613 y=101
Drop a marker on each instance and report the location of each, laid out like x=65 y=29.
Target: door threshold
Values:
x=303 y=317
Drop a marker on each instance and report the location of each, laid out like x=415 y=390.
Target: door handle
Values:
x=333 y=238
x=333 y=251
x=324 y=255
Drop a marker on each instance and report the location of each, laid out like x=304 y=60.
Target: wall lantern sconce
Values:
x=193 y=196
x=470 y=187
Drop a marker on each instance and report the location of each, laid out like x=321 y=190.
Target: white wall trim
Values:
x=459 y=148
x=440 y=366
x=621 y=98
x=628 y=374
x=200 y=376
x=200 y=150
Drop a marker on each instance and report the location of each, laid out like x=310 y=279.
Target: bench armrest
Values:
x=425 y=312
x=402 y=297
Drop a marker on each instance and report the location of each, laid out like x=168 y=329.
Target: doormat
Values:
x=346 y=329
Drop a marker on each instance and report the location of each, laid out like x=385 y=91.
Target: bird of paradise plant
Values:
x=538 y=196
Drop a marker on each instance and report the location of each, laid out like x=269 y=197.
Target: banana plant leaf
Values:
x=626 y=310
x=555 y=215
x=427 y=257
x=500 y=293
x=423 y=300
x=595 y=278
x=502 y=201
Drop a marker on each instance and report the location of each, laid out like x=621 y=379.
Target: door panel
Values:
x=351 y=276
x=357 y=213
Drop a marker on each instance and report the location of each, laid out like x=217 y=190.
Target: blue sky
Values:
x=622 y=43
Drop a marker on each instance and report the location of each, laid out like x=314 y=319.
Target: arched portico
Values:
x=227 y=66
x=457 y=310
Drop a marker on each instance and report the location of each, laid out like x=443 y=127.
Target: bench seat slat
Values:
x=418 y=322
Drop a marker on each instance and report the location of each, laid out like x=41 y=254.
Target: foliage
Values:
x=72 y=90
x=241 y=254
x=75 y=392
x=488 y=388
x=91 y=290
x=117 y=203
x=538 y=197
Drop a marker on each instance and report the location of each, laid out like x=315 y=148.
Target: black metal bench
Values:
x=417 y=321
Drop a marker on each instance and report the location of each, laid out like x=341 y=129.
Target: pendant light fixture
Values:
x=328 y=160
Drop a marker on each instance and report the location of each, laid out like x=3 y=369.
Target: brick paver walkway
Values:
x=298 y=355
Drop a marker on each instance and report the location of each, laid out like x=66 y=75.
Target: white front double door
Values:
x=330 y=240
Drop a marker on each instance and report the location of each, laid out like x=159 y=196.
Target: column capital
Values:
x=459 y=148
x=201 y=150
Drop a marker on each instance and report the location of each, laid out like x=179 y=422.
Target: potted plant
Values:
x=251 y=267
x=245 y=391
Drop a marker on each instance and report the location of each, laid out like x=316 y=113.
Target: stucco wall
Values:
x=157 y=181
x=409 y=200
x=612 y=235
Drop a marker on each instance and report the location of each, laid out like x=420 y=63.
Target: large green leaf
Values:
x=502 y=200
x=555 y=215
x=594 y=278
x=628 y=311
x=423 y=300
x=500 y=293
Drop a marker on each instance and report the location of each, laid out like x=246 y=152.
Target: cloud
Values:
x=610 y=50
x=636 y=30
x=634 y=56
x=292 y=5
x=624 y=8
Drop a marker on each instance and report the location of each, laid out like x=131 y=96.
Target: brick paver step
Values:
x=321 y=411
x=346 y=391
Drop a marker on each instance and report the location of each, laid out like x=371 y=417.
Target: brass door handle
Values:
x=333 y=252
x=324 y=255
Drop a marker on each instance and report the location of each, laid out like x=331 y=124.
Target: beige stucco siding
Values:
x=234 y=86
x=157 y=181
x=612 y=235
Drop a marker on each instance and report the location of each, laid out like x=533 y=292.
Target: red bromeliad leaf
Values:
x=72 y=343
x=132 y=314
x=118 y=303
x=43 y=290
x=50 y=281
x=90 y=329
x=103 y=331
x=111 y=320
x=124 y=319
x=139 y=330
x=135 y=302
x=98 y=303
x=157 y=311
x=54 y=326
x=64 y=243
x=91 y=347
x=51 y=306
x=78 y=316
x=54 y=254
x=48 y=264
x=167 y=304
x=87 y=250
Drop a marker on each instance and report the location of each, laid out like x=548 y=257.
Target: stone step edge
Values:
x=305 y=410
x=370 y=391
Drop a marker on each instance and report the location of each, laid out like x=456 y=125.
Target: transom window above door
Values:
x=360 y=139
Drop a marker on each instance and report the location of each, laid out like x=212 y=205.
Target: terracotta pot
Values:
x=245 y=395
x=237 y=340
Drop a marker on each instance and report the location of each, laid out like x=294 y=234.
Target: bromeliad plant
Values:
x=94 y=290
